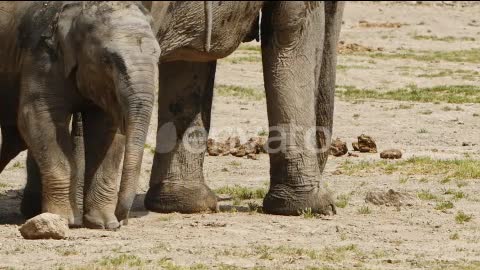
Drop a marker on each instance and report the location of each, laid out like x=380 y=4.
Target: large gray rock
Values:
x=45 y=226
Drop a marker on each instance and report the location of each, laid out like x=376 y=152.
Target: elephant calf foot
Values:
x=182 y=198
x=31 y=204
x=100 y=219
x=285 y=200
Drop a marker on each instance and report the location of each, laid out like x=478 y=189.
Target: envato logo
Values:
x=281 y=138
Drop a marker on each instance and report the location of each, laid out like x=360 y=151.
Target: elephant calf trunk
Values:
x=139 y=104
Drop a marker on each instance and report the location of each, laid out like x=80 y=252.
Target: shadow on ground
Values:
x=10 y=201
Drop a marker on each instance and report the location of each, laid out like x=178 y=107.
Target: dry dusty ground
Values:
x=430 y=45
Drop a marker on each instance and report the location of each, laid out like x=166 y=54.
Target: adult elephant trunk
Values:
x=136 y=91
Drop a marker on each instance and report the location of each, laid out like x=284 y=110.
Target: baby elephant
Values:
x=96 y=58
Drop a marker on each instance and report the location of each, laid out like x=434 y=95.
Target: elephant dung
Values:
x=216 y=148
x=232 y=143
x=391 y=154
x=240 y=151
x=259 y=144
x=338 y=148
x=366 y=144
x=252 y=147
x=45 y=226
x=389 y=198
x=355 y=146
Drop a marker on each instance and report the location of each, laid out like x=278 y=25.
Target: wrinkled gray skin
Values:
x=96 y=58
x=298 y=41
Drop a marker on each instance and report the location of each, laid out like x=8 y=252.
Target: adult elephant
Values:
x=298 y=42
x=96 y=58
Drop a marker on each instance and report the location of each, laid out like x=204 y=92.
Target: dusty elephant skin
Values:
x=98 y=60
x=299 y=41
x=383 y=237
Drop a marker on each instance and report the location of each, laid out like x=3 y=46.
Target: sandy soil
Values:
x=410 y=237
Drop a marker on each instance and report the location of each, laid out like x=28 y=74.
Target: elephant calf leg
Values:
x=177 y=183
x=103 y=155
x=292 y=41
x=48 y=138
x=32 y=196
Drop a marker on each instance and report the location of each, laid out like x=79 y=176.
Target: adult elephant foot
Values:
x=284 y=200
x=100 y=219
x=170 y=197
x=177 y=183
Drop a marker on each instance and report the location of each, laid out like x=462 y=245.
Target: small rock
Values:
x=389 y=198
x=45 y=226
x=391 y=154
x=366 y=144
x=252 y=156
x=337 y=172
x=350 y=154
x=355 y=146
x=215 y=224
x=465 y=144
x=338 y=148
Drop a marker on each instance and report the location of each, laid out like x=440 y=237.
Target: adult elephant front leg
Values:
x=177 y=183
x=292 y=38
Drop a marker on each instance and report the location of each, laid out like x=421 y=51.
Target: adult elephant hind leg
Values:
x=11 y=145
x=32 y=195
x=177 y=183
x=291 y=37
x=103 y=154
x=326 y=78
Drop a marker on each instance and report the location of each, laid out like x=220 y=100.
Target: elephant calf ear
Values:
x=66 y=40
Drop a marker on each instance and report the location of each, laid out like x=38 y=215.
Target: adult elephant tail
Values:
x=326 y=78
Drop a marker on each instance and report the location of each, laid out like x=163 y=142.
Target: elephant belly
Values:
x=10 y=54
x=186 y=38
x=9 y=96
